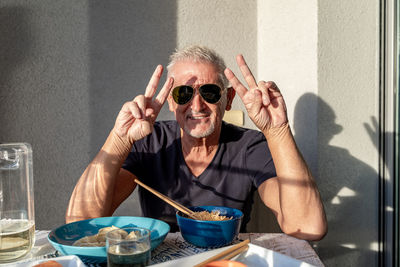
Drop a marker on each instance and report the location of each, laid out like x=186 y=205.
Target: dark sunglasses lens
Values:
x=211 y=93
x=182 y=94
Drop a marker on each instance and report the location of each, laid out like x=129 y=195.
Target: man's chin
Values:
x=200 y=133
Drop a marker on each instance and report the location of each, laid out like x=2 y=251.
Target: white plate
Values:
x=255 y=256
x=65 y=261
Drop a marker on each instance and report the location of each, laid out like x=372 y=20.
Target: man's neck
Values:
x=198 y=152
x=203 y=145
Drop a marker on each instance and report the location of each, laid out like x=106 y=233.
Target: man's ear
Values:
x=230 y=95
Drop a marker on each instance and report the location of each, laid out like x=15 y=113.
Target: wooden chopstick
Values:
x=176 y=205
x=235 y=252
x=227 y=254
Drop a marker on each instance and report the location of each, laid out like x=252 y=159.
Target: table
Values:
x=175 y=247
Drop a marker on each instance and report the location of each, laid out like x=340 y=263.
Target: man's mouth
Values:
x=197 y=116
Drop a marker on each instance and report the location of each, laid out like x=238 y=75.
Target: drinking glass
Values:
x=129 y=246
x=17 y=218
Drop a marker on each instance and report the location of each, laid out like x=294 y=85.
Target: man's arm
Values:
x=104 y=185
x=293 y=195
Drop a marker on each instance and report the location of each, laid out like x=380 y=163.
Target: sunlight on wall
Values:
x=343 y=192
x=346 y=192
x=374 y=246
x=351 y=246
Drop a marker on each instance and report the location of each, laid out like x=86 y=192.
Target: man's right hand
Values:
x=137 y=117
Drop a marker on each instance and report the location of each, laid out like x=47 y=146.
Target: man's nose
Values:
x=197 y=102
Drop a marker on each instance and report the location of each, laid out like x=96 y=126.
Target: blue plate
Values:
x=64 y=236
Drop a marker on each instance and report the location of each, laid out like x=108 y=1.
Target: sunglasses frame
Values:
x=200 y=93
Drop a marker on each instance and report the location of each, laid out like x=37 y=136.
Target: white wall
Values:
x=288 y=54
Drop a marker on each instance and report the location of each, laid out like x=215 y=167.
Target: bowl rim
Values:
x=209 y=206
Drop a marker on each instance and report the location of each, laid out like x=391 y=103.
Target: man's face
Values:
x=197 y=118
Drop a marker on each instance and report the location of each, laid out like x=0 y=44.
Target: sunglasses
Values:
x=211 y=93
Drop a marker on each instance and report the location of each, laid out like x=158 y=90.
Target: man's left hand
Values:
x=263 y=100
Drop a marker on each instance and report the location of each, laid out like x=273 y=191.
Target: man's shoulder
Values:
x=166 y=123
x=232 y=132
x=164 y=133
x=166 y=126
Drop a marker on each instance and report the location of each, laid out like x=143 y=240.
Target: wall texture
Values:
x=348 y=94
x=44 y=81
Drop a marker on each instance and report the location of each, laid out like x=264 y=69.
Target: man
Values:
x=199 y=159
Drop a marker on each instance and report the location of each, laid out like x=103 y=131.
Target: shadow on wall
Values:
x=349 y=189
x=128 y=39
x=14 y=50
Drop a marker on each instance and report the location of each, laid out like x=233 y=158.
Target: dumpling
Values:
x=118 y=234
x=85 y=240
x=101 y=235
x=132 y=235
x=99 y=239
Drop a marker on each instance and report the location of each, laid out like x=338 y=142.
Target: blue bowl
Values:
x=64 y=236
x=208 y=234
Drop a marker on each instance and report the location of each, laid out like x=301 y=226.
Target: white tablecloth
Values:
x=174 y=247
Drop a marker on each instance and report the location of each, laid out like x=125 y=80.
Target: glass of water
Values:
x=129 y=246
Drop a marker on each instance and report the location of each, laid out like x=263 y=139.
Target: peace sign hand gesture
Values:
x=137 y=117
x=263 y=101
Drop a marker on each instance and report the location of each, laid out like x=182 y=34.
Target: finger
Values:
x=262 y=86
x=275 y=93
x=153 y=83
x=273 y=89
x=256 y=101
x=164 y=92
x=248 y=76
x=240 y=89
x=140 y=102
x=272 y=86
x=132 y=107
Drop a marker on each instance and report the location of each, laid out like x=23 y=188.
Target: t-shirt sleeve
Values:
x=259 y=160
x=132 y=162
x=144 y=151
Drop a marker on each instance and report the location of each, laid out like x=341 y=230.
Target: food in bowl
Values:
x=96 y=240
x=99 y=239
x=211 y=216
x=210 y=233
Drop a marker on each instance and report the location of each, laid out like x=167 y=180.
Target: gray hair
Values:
x=197 y=53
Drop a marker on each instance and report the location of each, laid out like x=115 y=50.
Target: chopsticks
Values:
x=173 y=203
x=227 y=254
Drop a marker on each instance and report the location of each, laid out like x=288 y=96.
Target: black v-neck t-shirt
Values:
x=241 y=163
